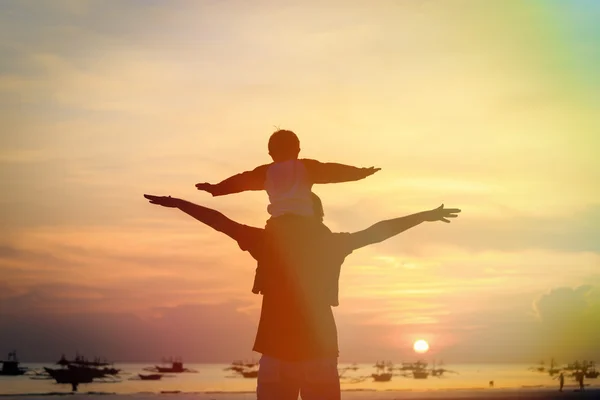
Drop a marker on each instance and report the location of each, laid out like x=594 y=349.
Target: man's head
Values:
x=284 y=145
x=317 y=207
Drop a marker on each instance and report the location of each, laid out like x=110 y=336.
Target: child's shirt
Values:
x=289 y=187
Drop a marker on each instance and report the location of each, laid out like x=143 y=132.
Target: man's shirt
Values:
x=298 y=272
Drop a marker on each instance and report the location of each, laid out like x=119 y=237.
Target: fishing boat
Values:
x=65 y=375
x=250 y=374
x=382 y=377
x=438 y=371
x=11 y=365
x=82 y=361
x=150 y=377
x=420 y=374
x=419 y=370
x=590 y=371
x=176 y=366
x=245 y=369
x=383 y=371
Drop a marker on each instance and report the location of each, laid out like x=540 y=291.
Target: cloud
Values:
x=570 y=320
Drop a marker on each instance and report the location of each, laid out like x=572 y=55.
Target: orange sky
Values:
x=492 y=109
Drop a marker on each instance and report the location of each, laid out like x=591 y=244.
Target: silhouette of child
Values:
x=288 y=181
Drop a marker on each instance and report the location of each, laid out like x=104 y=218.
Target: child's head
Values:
x=284 y=145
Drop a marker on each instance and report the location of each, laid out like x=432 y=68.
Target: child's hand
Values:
x=207 y=187
x=371 y=170
x=441 y=214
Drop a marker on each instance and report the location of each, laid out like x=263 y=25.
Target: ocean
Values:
x=215 y=378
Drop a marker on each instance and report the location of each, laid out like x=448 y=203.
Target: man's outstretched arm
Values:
x=242 y=182
x=384 y=230
x=206 y=215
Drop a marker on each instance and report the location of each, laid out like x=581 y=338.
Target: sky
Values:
x=492 y=107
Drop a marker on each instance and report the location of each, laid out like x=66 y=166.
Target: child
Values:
x=288 y=182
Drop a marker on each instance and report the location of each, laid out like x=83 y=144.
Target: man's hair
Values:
x=317 y=206
x=284 y=145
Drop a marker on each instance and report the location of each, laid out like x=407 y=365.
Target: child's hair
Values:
x=284 y=145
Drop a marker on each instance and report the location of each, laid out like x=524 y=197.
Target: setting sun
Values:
x=421 y=346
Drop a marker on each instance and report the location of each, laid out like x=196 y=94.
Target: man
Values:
x=296 y=335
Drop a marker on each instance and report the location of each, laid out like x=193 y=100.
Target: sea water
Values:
x=215 y=378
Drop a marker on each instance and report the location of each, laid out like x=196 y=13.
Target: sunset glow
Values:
x=488 y=107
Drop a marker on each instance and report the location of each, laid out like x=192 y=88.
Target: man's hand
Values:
x=441 y=214
x=165 y=201
x=207 y=187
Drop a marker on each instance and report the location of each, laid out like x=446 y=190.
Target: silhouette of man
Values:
x=297 y=335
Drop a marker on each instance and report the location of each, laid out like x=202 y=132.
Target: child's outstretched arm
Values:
x=319 y=172
x=249 y=180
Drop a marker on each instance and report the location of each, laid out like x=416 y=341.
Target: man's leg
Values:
x=321 y=380
x=276 y=381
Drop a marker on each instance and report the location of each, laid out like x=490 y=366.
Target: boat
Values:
x=97 y=372
x=150 y=377
x=176 y=367
x=244 y=369
x=383 y=371
x=418 y=370
x=590 y=371
x=406 y=366
x=236 y=366
x=63 y=361
x=250 y=374
x=75 y=376
x=80 y=370
x=11 y=365
x=587 y=368
x=65 y=375
x=82 y=361
x=420 y=374
x=438 y=372
x=382 y=377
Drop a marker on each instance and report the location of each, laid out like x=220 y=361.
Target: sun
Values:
x=421 y=346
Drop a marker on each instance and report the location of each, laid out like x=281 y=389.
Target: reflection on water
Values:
x=215 y=378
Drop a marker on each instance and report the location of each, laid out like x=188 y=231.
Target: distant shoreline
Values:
x=349 y=394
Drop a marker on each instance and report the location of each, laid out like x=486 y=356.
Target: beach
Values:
x=215 y=381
